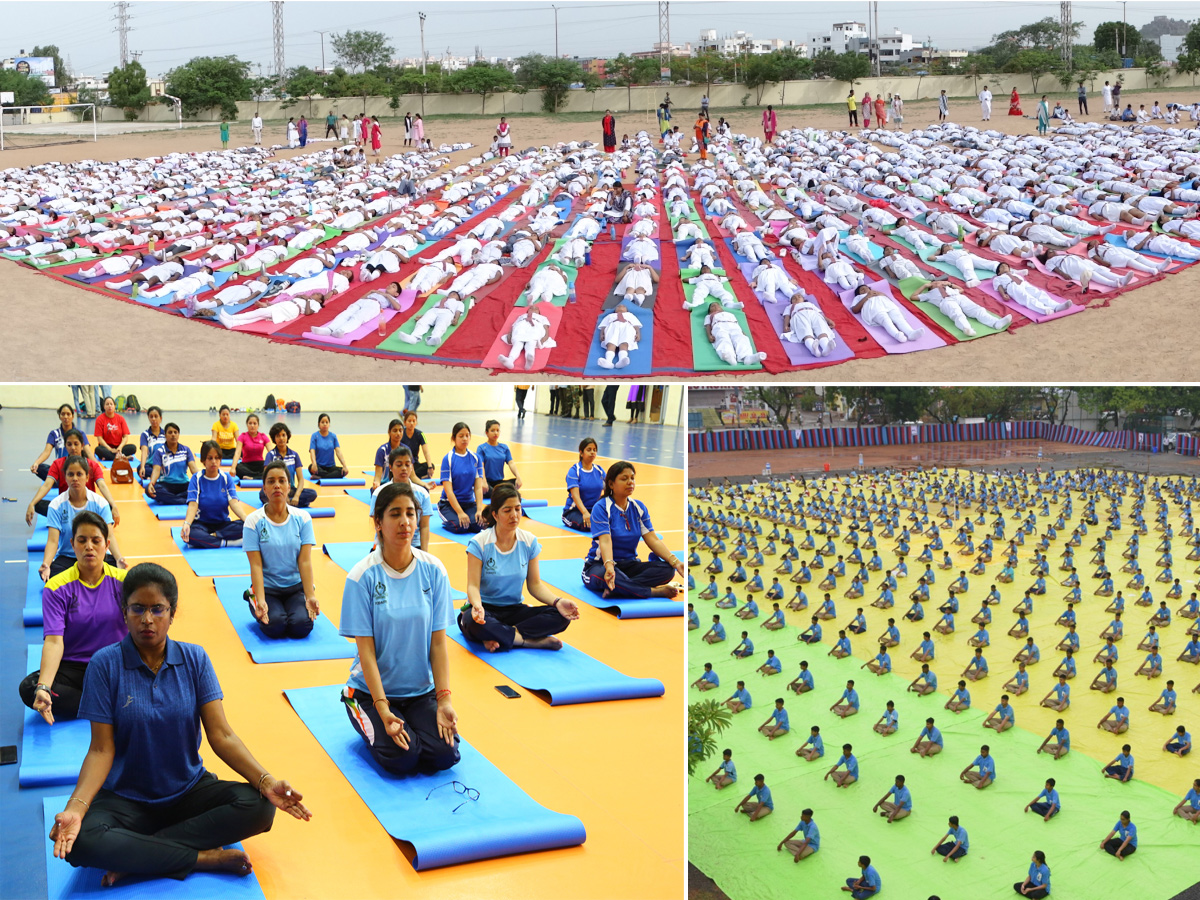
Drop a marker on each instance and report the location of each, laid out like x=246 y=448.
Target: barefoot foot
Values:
x=236 y=862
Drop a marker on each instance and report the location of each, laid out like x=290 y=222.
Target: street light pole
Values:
x=1124 y=45
x=422 y=16
x=322 y=34
x=555 y=8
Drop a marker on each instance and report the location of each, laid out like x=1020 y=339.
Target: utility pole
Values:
x=664 y=36
x=277 y=28
x=422 y=17
x=555 y=8
x=1124 y=45
x=322 y=34
x=122 y=30
x=877 y=60
x=1064 y=17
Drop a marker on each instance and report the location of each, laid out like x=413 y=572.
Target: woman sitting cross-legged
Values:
x=59 y=554
x=585 y=484
x=172 y=467
x=325 y=452
x=144 y=804
x=211 y=498
x=500 y=559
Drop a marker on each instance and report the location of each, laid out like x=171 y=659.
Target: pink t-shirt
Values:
x=253 y=445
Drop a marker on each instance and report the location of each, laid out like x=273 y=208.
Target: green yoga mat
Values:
x=704 y=357
x=692 y=273
x=33 y=262
x=571 y=272
x=693 y=215
x=741 y=856
x=910 y=286
x=395 y=345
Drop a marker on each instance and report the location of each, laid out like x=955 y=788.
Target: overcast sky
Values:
x=170 y=33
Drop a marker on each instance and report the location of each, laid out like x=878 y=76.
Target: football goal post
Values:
x=22 y=127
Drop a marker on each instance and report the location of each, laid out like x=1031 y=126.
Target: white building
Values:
x=1172 y=46
x=742 y=42
x=839 y=37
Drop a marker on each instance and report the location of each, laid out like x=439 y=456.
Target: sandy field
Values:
x=1123 y=342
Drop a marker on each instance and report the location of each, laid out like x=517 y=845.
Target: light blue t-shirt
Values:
x=278 y=544
x=493 y=459
x=589 y=482
x=504 y=573
x=400 y=610
x=903 y=796
x=1062 y=736
x=932 y=733
x=987 y=766
x=1126 y=831
x=959 y=836
x=1039 y=876
x=324 y=445
x=742 y=696
x=423 y=502
x=764 y=796
x=811 y=834
x=817 y=743
x=61 y=515
x=729 y=769
x=781 y=717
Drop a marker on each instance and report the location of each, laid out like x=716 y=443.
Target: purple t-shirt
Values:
x=86 y=616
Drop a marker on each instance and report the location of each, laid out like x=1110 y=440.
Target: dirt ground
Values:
x=1108 y=345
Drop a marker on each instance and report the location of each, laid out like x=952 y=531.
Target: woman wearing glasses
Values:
x=396 y=605
x=619 y=523
x=500 y=560
x=144 y=804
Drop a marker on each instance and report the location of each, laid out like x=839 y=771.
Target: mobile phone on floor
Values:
x=502 y=688
x=8 y=755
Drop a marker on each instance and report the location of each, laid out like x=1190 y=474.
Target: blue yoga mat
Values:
x=639 y=360
x=567 y=675
x=503 y=821
x=347 y=555
x=50 y=754
x=323 y=642
x=565 y=574
x=41 y=533
x=362 y=495
x=1119 y=241
x=31 y=614
x=550 y=515
x=179 y=513
x=64 y=882
x=438 y=530
x=336 y=481
x=210 y=563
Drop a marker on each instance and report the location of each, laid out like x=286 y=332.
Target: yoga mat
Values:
x=909 y=288
x=393 y=343
x=177 y=512
x=986 y=287
x=541 y=358
x=31 y=613
x=549 y=515
x=64 y=881
x=798 y=354
x=567 y=675
x=1119 y=241
x=640 y=360
x=41 y=533
x=323 y=642
x=334 y=482
x=354 y=336
x=211 y=563
x=50 y=754
x=704 y=356
x=927 y=341
x=503 y=821
x=348 y=554
x=565 y=574
x=558 y=299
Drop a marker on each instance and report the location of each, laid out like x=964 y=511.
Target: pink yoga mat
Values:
x=350 y=337
x=499 y=348
x=927 y=341
x=986 y=287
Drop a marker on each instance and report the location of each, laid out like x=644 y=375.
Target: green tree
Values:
x=483 y=78
x=127 y=88
x=851 y=67
x=28 y=90
x=365 y=84
x=759 y=71
x=62 y=77
x=553 y=77
x=302 y=82
x=1117 y=36
x=824 y=63
x=791 y=66
x=628 y=71
x=362 y=50
x=706 y=720
x=781 y=401
x=1191 y=41
x=208 y=82
x=1034 y=63
x=712 y=68
x=1188 y=64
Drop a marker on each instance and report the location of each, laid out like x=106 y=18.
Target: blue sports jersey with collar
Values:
x=625 y=528
x=55 y=439
x=174 y=465
x=291 y=459
x=764 y=796
x=212 y=496
x=1061 y=736
x=61 y=515
x=1126 y=832
x=461 y=470
x=324 y=446
x=151 y=442
x=503 y=573
x=590 y=483
x=493 y=459
x=987 y=766
x=729 y=769
x=811 y=834
x=400 y=610
x=278 y=544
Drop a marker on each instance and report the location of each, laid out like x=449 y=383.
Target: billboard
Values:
x=39 y=66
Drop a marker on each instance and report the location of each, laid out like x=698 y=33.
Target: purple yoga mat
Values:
x=986 y=287
x=927 y=341
x=797 y=354
x=350 y=337
x=656 y=264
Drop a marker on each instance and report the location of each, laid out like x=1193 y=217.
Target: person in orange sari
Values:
x=880 y=111
x=701 y=129
x=1014 y=104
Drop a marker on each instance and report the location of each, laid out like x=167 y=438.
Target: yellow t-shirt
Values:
x=226 y=437
x=851 y=103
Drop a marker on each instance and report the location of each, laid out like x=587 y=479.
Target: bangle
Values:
x=380 y=700
x=444 y=692
x=609 y=562
x=86 y=805
x=265 y=776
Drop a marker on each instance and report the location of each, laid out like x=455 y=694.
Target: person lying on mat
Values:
x=299 y=495
x=729 y=341
x=251 y=446
x=500 y=559
x=585 y=484
x=881 y=310
x=400 y=469
x=958 y=307
x=81 y=612
x=395 y=606
x=278 y=541
x=529 y=333
x=56 y=480
x=363 y=311
x=172 y=466
x=211 y=497
x=144 y=804
x=495 y=456
x=461 y=504
x=437 y=320
x=620 y=333
x=323 y=447
x=56 y=442
x=111 y=431
x=808 y=325
x=59 y=554
x=619 y=522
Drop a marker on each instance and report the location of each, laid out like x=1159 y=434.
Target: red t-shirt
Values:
x=58 y=473
x=252 y=447
x=111 y=430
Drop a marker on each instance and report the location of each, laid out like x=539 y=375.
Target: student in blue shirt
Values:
x=881 y=664
x=986 y=765
x=802 y=683
x=211 y=498
x=59 y=554
x=891 y=635
x=400 y=469
x=1062 y=696
x=847 y=704
x=889 y=722
x=814 y=747
x=693 y=618
x=1036 y=885
x=925 y=650
x=1046 y=804
x=1106 y=680
x=775 y=591
x=172 y=465
x=953 y=845
x=728 y=600
x=716 y=633
x=847 y=760
x=929 y=742
x=858 y=624
x=500 y=560
x=708 y=680
x=300 y=496
x=772 y=665
x=619 y=524
x=738 y=575
x=1070 y=640
x=1121 y=766
x=1165 y=704
x=1119 y=715
x=780 y=718
x=324 y=452
x=152 y=438
x=811 y=634
x=1108 y=652
x=461 y=504
x=1151 y=667
x=840 y=649
x=146 y=698
x=278 y=541
x=776 y=620
x=758 y=803
x=1180 y=743
x=925 y=683
x=1021 y=629
x=745 y=647
x=1191 y=609
x=977 y=667
x=755 y=584
x=866 y=885
x=739 y=700
x=494 y=457
x=396 y=606
x=1067 y=618
x=960 y=700
x=1189 y=807
x=1057 y=742
x=810 y=841
x=726 y=773
x=749 y=611
x=1125 y=841
x=585 y=484
x=899 y=807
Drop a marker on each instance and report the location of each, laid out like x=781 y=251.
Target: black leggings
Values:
x=1035 y=894
x=67 y=685
x=635 y=579
x=501 y=623
x=426 y=749
x=109 y=455
x=249 y=469
x=946 y=848
x=287 y=616
x=143 y=839
x=170 y=493
x=227 y=453
x=1112 y=845
x=319 y=471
